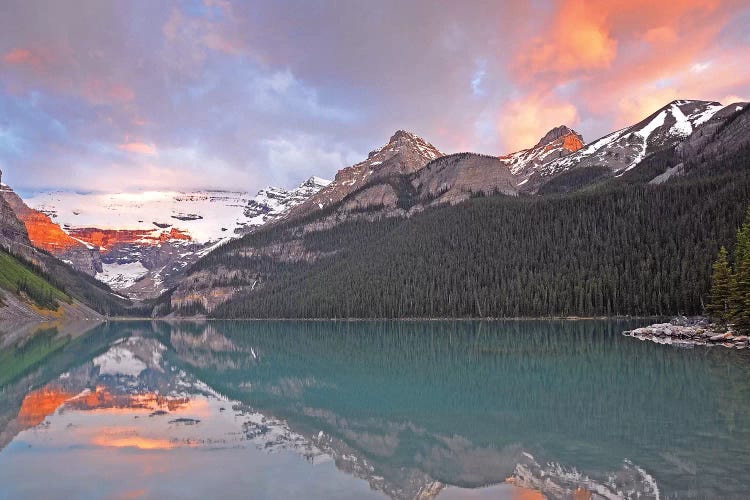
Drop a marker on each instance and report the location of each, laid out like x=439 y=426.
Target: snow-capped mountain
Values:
x=622 y=150
x=146 y=239
x=151 y=216
x=273 y=202
x=557 y=143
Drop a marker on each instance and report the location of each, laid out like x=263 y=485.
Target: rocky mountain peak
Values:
x=405 y=153
x=557 y=143
x=407 y=145
x=400 y=135
x=561 y=132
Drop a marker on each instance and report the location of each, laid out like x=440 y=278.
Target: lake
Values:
x=403 y=410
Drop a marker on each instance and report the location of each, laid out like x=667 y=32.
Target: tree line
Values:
x=730 y=283
x=617 y=249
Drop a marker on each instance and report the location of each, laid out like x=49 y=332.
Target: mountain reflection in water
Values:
x=407 y=410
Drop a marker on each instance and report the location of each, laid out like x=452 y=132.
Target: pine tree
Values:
x=740 y=295
x=721 y=288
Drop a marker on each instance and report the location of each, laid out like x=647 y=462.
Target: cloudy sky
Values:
x=102 y=95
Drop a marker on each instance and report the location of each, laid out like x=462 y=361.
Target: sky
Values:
x=114 y=96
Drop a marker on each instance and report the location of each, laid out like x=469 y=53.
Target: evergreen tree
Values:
x=721 y=288
x=740 y=295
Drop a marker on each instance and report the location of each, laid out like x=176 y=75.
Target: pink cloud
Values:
x=621 y=64
x=140 y=148
x=522 y=122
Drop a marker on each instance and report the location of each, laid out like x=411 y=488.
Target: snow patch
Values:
x=121 y=276
x=707 y=114
x=682 y=126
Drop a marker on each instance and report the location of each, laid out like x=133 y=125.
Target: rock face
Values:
x=404 y=154
x=557 y=143
x=455 y=178
x=405 y=176
x=12 y=231
x=46 y=235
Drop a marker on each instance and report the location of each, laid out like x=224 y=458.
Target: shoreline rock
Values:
x=689 y=332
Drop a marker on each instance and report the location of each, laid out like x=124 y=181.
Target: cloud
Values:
x=291 y=158
x=626 y=65
x=138 y=148
x=243 y=94
x=22 y=56
x=524 y=121
x=579 y=38
x=478 y=78
x=731 y=99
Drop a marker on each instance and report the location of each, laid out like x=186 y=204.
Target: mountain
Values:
x=557 y=143
x=474 y=235
x=45 y=234
x=35 y=285
x=410 y=231
x=403 y=154
x=272 y=203
x=624 y=150
x=403 y=177
x=145 y=241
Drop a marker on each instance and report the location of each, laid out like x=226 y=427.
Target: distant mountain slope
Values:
x=26 y=294
x=401 y=178
x=46 y=235
x=145 y=241
x=273 y=203
x=624 y=149
x=21 y=254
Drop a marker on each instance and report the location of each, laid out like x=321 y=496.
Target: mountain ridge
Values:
x=330 y=241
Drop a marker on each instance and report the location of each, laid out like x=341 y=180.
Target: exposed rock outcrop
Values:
x=455 y=178
x=691 y=331
x=46 y=235
x=557 y=143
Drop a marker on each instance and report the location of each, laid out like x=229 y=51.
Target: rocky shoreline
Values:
x=691 y=331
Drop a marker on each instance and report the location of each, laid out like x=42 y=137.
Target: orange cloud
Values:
x=661 y=35
x=141 y=148
x=592 y=35
x=619 y=65
x=579 y=38
x=22 y=56
x=523 y=122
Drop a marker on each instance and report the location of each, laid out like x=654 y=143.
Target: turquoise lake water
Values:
x=404 y=410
